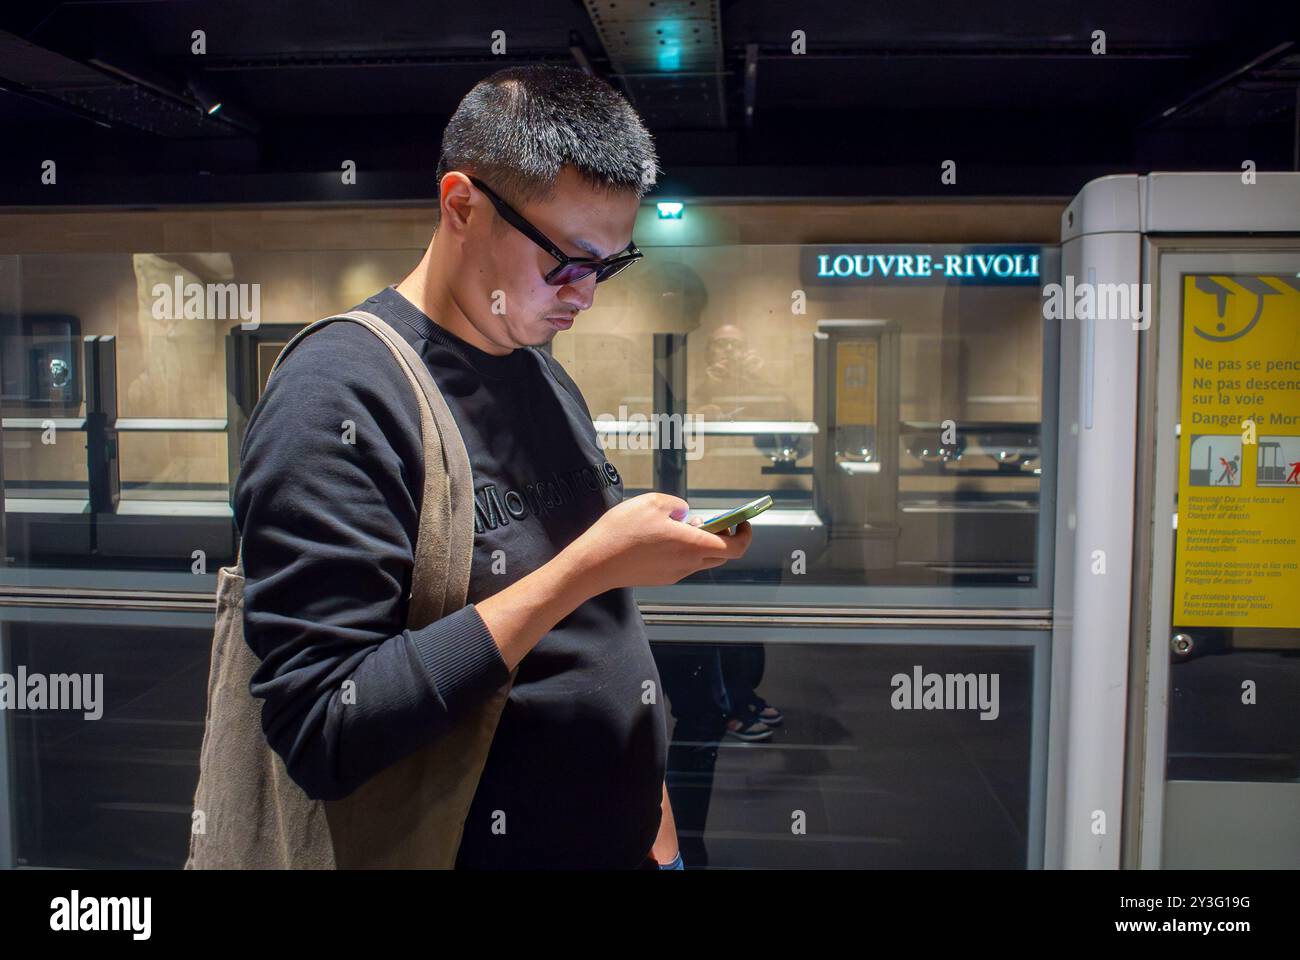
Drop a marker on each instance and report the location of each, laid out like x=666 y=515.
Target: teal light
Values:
x=670 y=34
x=214 y=108
x=671 y=210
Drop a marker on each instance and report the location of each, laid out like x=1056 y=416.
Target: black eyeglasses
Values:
x=571 y=269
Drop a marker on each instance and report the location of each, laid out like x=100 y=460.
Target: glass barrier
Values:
x=852 y=768
x=895 y=417
x=902 y=424
x=104 y=737
x=799 y=752
x=901 y=427
x=125 y=397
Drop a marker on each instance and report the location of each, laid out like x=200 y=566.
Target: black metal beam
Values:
x=1221 y=81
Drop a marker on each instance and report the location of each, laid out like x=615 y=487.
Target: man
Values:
x=540 y=176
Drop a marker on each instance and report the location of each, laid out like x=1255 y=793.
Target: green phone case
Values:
x=738 y=516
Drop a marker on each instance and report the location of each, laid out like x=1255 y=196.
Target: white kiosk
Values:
x=1175 y=719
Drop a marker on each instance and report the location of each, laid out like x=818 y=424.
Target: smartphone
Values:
x=737 y=516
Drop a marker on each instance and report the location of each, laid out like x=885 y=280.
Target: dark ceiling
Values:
x=882 y=96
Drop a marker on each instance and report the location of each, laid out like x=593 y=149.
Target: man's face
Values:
x=501 y=287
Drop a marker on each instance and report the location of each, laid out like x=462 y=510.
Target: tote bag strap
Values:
x=439 y=582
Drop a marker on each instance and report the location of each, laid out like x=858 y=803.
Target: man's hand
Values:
x=642 y=542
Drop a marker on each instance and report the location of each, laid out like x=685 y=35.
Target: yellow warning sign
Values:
x=1238 y=544
x=855 y=394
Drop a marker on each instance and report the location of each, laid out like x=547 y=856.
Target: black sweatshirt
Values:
x=574 y=775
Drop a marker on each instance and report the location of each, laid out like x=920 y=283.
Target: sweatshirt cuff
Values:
x=459 y=656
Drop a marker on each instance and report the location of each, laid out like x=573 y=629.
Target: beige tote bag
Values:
x=248 y=812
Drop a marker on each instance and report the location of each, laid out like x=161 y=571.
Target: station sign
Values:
x=920 y=264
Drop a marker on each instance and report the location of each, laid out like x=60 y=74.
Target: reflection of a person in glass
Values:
x=732 y=365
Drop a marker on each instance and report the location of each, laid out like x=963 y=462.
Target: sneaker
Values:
x=766 y=713
x=747 y=729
